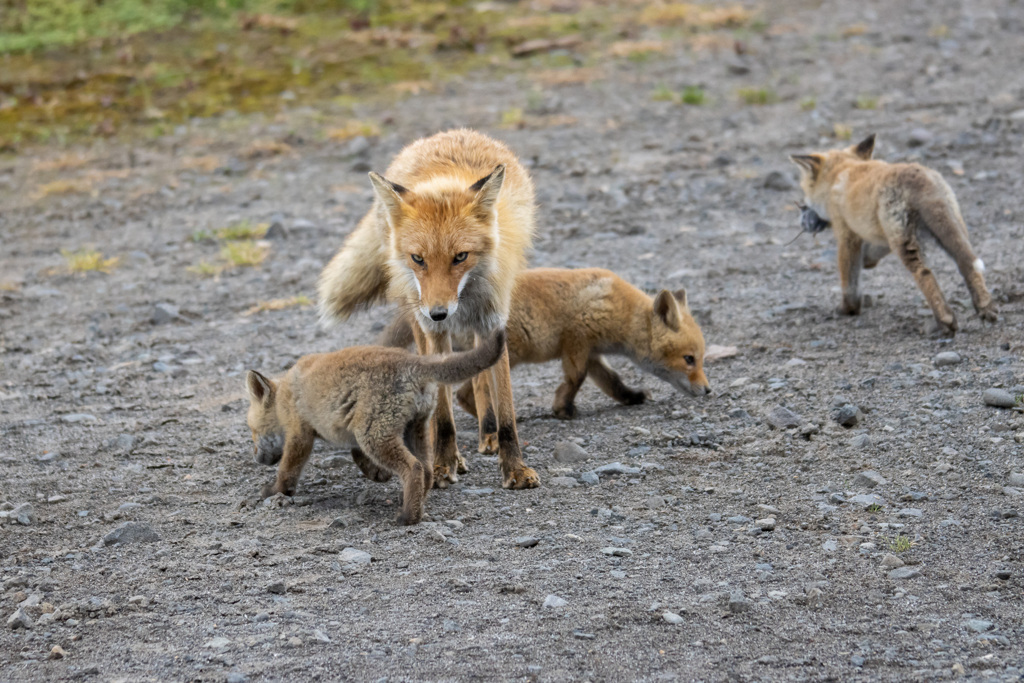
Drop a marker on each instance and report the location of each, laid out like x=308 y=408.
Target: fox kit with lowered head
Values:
x=446 y=237
x=876 y=207
x=578 y=316
x=375 y=399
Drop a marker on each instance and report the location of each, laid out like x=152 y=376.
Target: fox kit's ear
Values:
x=809 y=162
x=487 y=189
x=865 y=147
x=260 y=388
x=680 y=296
x=389 y=194
x=666 y=309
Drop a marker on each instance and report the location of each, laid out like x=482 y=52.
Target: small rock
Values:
x=354 y=556
x=590 y=478
x=738 y=519
x=857 y=661
x=20 y=619
x=766 y=524
x=919 y=137
x=979 y=625
x=946 y=358
x=617 y=552
x=22 y=514
x=218 y=643
x=847 y=416
x=164 y=313
x=73 y=418
x=294 y=641
x=237 y=677
x=999 y=398
x=783 y=418
x=870 y=479
x=333 y=462
x=904 y=573
x=738 y=602
x=477 y=491
x=569 y=452
x=1015 y=479
x=320 y=636
x=562 y=482
x=861 y=441
x=131 y=532
x=672 y=617
x=276 y=231
x=909 y=512
x=554 y=602
x=277 y=588
x=777 y=180
x=830 y=546
x=527 y=541
x=867 y=500
x=890 y=561
x=616 y=468
x=56 y=652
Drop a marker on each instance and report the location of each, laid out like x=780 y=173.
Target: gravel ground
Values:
x=747 y=535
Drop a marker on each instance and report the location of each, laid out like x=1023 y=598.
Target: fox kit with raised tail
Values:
x=375 y=399
x=877 y=207
x=578 y=317
x=446 y=237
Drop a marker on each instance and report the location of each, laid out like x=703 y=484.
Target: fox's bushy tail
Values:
x=357 y=275
x=458 y=367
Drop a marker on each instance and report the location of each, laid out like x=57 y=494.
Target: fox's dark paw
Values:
x=849 y=308
x=566 y=412
x=988 y=314
x=633 y=397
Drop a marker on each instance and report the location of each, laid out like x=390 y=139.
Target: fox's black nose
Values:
x=437 y=314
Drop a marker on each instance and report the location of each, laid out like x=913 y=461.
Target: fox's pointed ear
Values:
x=666 y=309
x=389 y=194
x=680 y=297
x=487 y=190
x=809 y=162
x=865 y=148
x=260 y=388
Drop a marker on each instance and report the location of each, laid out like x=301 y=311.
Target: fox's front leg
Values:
x=488 y=423
x=850 y=261
x=447 y=461
x=514 y=472
x=611 y=383
x=297 y=448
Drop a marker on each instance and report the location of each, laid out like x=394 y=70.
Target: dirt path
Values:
x=114 y=409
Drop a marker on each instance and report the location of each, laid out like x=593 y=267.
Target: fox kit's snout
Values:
x=677 y=345
x=441 y=246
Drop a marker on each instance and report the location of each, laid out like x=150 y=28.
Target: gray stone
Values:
x=20 y=619
x=477 y=492
x=616 y=468
x=738 y=602
x=904 y=573
x=563 y=482
x=124 y=443
x=783 y=418
x=890 y=561
x=766 y=524
x=237 y=677
x=861 y=441
x=867 y=500
x=999 y=398
x=131 y=532
x=848 y=415
x=73 y=418
x=590 y=478
x=22 y=514
x=554 y=602
x=277 y=588
x=164 y=313
x=354 y=556
x=870 y=479
x=218 y=643
x=857 y=661
x=909 y=512
x=672 y=617
x=919 y=137
x=276 y=231
x=946 y=358
x=617 y=552
x=738 y=519
x=979 y=625
x=568 y=452
x=1015 y=479
x=527 y=541
x=333 y=462
x=777 y=180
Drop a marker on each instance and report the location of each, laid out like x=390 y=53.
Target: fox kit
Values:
x=579 y=315
x=376 y=399
x=876 y=207
x=446 y=237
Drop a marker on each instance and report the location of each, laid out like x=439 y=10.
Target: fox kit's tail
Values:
x=357 y=275
x=458 y=367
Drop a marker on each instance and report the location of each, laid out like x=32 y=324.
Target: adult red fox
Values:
x=446 y=236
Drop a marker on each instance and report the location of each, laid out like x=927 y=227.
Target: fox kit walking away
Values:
x=375 y=399
x=446 y=236
x=876 y=207
x=577 y=316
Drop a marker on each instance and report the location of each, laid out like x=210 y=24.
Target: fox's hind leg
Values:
x=297 y=448
x=417 y=440
x=909 y=250
x=486 y=421
x=392 y=453
x=574 y=371
x=369 y=468
x=611 y=383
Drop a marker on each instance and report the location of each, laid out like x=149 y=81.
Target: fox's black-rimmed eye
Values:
x=690 y=360
x=417 y=259
x=460 y=257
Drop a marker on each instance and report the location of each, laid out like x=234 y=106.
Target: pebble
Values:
x=904 y=573
x=946 y=358
x=616 y=468
x=830 y=546
x=164 y=313
x=20 y=619
x=890 y=561
x=909 y=512
x=980 y=625
x=999 y=398
x=870 y=479
x=217 y=643
x=131 y=532
x=527 y=541
x=672 y=617
x=1015 y=479
x=857 y=661
x=777 y=180
x=334 y=462
x=848 y=415
x=590 y=478
x=354 y=556
x=783 y=418
x=478 y=492
x=569 y=452
x=766 y=524
x=617 y=552
x=738 y=602
x=919 y=137
x=868 y=499
x=738 y=519
x=554 y=602
x=22 y=514
x=277 y=588
x=563 y=482
x=56 y=652
x=861 y=441
x=237 y=677
x=73 y=418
